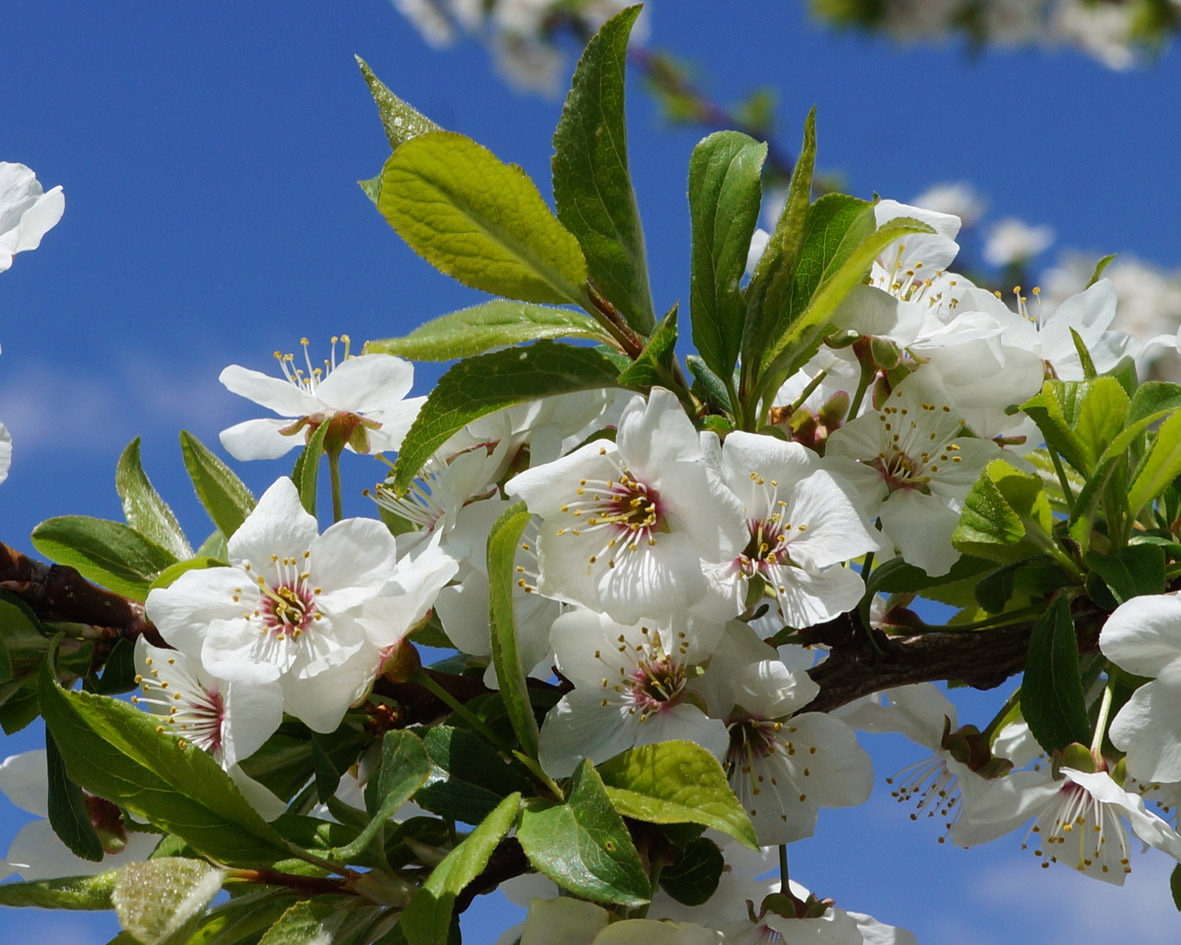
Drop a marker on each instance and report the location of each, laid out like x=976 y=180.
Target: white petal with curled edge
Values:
x=1148 y=728
x=274 y=393
x=279 y=525
x=259 y=439
x=351 y=562
x=24 y=779
x=563 y=922
x=1143 y=635
x=184 y=611
x=921 y=526
x=367 y=382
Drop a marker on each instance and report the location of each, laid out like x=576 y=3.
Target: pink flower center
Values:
x=655 y=685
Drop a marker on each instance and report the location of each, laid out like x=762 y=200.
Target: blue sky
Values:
x=209 y=154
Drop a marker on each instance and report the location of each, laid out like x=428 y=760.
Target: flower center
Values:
x=656 y=685
x=309 y=380
x=190 y=706
x=900 y=471
x=1074 y=827
x=288 y=605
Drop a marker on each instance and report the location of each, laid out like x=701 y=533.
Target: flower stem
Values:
x=1002 y=714
x=867 y=374
x=784 y=884
x=1062 y=479
x=1101 y=720
x=334 y=476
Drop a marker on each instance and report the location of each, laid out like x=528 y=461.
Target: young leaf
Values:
x=510 y=672
x=583 y=845
x=592 y=187
x=427 y=920
x=307 y=468
x=1099 y=267
x=467 y=778
x=143 y=508
x=113 y=750
x=67 y=808
x=1131 y=571
x=108 y=553
x=839 y=246
x=401 y=121
x=772 y=278
x=404 y=767
x=707 y=386
x=85 y=893
x=1052 y=699
x=1160 y=467
x=675 y=782
x=725 y=192
x=478 y=386
x=479 y=220
x=474 y=330
x=654 y=365
x=1006 y=515
x=161 y=901
x=319 y=922
x=224 y=495
x=693 y=878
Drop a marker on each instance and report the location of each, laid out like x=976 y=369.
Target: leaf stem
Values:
x=317 y=885
x=1002 y=713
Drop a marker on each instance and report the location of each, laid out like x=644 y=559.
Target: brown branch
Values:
x=55 y=592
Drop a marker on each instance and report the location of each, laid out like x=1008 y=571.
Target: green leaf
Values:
x=693 y=877
x=479 y=220
x=474 y=330
x=307 y=468
x=333 y=754
x=706 y=384
x=1084 y=356
x=1101 y=415
x=478 y=386
x=143 y=508
x=404 y=767
x=161 y=901
x=839 y=246
x=1153 y=398
x=503 y=541
x=1175 y=886
x=675 y=782
x=115 y=751
x=467 y=778
x=319 y=922
x=166 y=577
x=67 y=808
x=1131 y=571
x=1099 y=267
x=994 y=590
x=583 y=845
x=592 y=187
x=224 y=495
x=770 y=284
x=1006 y=516
x=243 y=919
x=84 y=893
x=401 y=121
x=654 y=364
x=1079 y=418
x=725 y=192
x=23 y=640
x=1161 y=465
x=427 y=920
x=108 y=553
x=1052 y=699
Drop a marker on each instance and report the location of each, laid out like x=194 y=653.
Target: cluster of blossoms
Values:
x=1116 y=34
x=521 y=34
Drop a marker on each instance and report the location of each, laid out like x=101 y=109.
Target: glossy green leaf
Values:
x=1161 y=465
x=583 y=845
x=474 y=330
x=1132 y=571
x=427 y=920
x=725 y=193
x=1052 y=699
x=1152 y=398
x=84 y=893
x=592 y=187
x=224 y=496
x=113 y=750
x=503 y=542
x=839 y=245
x=321 y=921
x=692 y=878
x=654 y=364
x=161 y=901
x=67 y=808
x=22 y=639
x=244 y=918
x=143 y=508
x=404 y=767
x=771 y=282
x=108 y=553
x=306 y=474
x=401 y=121
x=675 y=782
x=1101 y=415
x=1006 y=516
x=467 y=778
x=479 y=220
x=478 y=386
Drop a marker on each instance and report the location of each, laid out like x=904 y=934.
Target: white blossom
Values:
x=27 y=211
x=1011 y=241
